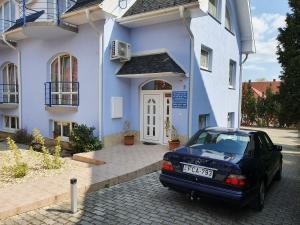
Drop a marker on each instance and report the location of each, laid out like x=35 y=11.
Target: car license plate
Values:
x=198 y=170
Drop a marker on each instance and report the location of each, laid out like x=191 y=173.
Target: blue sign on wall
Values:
x=179 y=99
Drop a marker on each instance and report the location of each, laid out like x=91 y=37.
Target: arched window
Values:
x=9 y=83
x=64 y=80
x=228 y=21
x=157 y=85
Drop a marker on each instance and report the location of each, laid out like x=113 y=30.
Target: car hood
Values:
x=210 y=154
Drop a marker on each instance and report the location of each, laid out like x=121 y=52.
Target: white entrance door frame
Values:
x=154 y=123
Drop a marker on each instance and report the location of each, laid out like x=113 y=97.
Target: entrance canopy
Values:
x=151 y=66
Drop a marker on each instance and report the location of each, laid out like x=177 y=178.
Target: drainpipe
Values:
x=19 y=77
x=100 y=35
x=191 y=81
x=241 y=90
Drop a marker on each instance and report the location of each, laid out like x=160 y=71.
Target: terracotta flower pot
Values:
x=129 y=140
x=174 y=144
x=55 y=135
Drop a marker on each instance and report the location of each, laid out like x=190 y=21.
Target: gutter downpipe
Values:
x=100 y=35
x=19 y=78
x=241 y=89
x=191 y=80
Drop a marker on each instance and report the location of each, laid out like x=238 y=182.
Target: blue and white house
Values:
x=104 y=62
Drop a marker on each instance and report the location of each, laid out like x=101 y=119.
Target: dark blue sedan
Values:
x=227 y=164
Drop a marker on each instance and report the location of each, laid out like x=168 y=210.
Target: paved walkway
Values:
x=123 y=163
x=146 y=201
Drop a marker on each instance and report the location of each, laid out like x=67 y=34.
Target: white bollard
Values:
x=73 y=183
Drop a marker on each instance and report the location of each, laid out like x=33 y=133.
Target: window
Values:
x=9 y=84
x=203 y=121
x=232 y=74
x=230 y=120
x=228 y=22
x=206 y=58
x=11 y=123
x=64 y=86
x=7 y=14
x=213 y=8
x=62 y=129
x=216 y=143
x=63 y=6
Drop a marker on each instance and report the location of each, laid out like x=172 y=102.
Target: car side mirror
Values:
x=277 y=148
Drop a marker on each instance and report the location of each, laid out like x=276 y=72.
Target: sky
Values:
x=267 y=17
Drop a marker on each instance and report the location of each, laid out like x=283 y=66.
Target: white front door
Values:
x=156 y=108
x=167 y=114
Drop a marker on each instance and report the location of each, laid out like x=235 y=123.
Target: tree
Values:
x=248 y=105
x=288 y=52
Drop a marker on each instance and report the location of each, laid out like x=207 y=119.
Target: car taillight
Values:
x=236 y=180
x=167 y=166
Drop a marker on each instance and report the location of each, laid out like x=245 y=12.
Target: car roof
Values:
x=232 y=130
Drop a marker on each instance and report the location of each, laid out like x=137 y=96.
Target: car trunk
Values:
x=186 y=162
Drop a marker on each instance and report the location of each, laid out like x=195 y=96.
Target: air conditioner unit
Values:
x=120 y=50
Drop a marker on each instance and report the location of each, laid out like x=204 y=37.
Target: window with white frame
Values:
x=203 y=121
x=232 y=74
x=9 y=84
x=206 y=58
x=62 y=129
x=228 y=21
x=7 y=14
x=64 y=77
x=11 y=123
x=230 y=120
x=213 y=8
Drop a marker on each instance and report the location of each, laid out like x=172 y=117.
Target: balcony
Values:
x=9 y=96
x=62 y=96
x=40 y=21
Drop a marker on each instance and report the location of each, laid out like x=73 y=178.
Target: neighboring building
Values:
x=102 y=63
x=259 y=88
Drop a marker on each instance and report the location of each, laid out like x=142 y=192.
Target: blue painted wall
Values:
x=211 y=93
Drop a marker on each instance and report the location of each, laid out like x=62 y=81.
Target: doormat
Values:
x=149 y=143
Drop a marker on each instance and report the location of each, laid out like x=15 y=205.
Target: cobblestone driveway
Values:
x=145 y=201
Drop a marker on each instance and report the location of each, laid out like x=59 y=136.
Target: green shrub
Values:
x=23 y=137
x=15 y=150
x=19 y=170
x=48 y=161
x=57 y=162
x=82 y=139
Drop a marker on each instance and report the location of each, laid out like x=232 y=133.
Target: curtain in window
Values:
x=9 y=80
x=231 y=69
x=1 y=21
x=74 y=79
x=6 y=15
x=51 y=9
x=13 y=11
x=212 y=7
x=228 y=20
x=64 y=71
x=204 y=59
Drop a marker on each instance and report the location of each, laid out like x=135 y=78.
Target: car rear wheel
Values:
x=259 y=201
x=279 y=173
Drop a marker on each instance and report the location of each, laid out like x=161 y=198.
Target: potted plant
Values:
x=128 y=134
x=174 y=141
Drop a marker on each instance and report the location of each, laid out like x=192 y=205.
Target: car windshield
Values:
x=220 y=141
